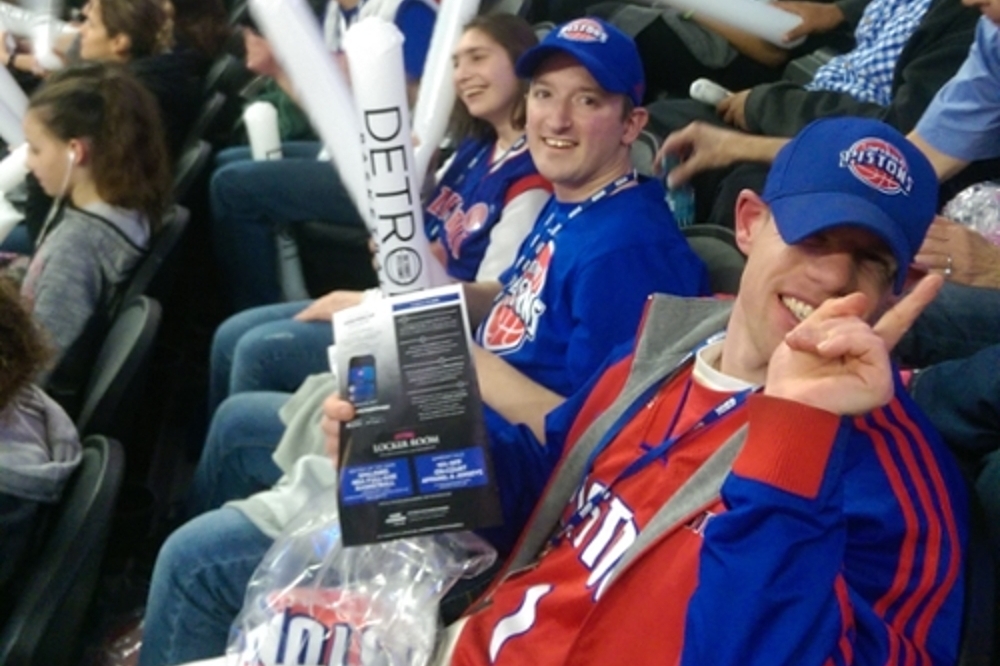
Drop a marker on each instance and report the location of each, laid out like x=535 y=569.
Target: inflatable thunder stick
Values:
x=753 y=16
x=295 y=38
x=437 y=91
x=21 y=22
x=13 y=104
x=374 y=50
x=261 y=120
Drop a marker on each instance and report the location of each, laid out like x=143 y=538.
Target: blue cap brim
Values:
x=532 y=59
x=818 y=211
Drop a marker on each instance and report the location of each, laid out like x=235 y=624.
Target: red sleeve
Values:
x=774 y=454
x=522 y=185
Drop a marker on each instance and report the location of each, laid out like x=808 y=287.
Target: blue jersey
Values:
x=578 y=286
x=470 y=199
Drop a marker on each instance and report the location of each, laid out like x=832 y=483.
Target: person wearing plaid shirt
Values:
x=866 y=72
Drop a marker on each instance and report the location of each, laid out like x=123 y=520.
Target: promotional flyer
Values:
x=415 y=460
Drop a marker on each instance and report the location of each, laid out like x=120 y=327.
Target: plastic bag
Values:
x=978 y=207
x=313 y=602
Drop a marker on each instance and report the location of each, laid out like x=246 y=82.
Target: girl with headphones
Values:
x=95 y=144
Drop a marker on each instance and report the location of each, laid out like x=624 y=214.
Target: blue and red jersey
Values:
x=830 y=541
x=470 y=198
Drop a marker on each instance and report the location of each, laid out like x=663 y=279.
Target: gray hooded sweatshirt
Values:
x=39 y=449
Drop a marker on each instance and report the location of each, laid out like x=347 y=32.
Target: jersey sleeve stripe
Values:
x=944 y=511
x=522 y=185
x=845 y=646
x=920 y=587
x=907 y=553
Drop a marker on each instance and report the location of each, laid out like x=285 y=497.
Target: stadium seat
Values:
x=717 y=248
x=45 y=624
x=978 y=645
x=148 y=278
x=191 y=165
x=115 y=382
x=642 y=151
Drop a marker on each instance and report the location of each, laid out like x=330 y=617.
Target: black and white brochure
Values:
x=415 y=460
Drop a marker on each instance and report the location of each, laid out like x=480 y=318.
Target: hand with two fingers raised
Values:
x=836 y=361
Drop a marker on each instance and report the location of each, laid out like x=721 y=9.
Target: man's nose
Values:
x=835 y=271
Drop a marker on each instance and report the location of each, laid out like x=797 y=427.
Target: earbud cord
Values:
x=56 y=203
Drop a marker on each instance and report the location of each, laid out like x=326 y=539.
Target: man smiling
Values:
x=604 y=242
x=697 y=518
x=749 y=484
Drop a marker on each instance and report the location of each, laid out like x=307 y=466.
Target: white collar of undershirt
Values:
x=706 y=375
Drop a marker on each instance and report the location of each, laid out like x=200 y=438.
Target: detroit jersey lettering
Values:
x=578 y=566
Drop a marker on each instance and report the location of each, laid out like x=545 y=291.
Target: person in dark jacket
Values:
x=898 y=93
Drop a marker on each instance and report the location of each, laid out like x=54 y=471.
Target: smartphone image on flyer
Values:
x=361 y=384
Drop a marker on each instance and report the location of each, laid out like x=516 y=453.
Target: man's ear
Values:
x=634 y=124
x=750 y=216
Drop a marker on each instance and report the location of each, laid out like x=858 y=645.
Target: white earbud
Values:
x=72 y=156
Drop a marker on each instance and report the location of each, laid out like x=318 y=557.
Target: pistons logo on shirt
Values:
x=461 y=224
x=515 y=317
x=584 y=30
x=879 y=165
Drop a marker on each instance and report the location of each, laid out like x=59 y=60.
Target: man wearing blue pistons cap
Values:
x=748 y=483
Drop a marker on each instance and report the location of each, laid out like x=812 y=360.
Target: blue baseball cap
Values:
x=606 y=52
x=854 y=172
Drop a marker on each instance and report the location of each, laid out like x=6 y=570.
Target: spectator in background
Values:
x=138 y=35
x=906 y=50
x=96 y=147
x=251 y=199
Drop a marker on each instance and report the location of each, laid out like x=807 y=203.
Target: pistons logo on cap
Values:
x=878 y=164
x=584 y=30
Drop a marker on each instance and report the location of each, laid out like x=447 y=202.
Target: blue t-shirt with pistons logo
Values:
x=576 y=292
x=579 y=284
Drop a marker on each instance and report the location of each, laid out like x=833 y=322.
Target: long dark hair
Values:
x=105 y=105
x=516 y=36
x=147 y=23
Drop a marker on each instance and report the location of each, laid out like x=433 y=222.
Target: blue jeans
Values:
x=198 y=585
x=236 y=461
x=958 y=323
x=251 y=199
x=264 y=349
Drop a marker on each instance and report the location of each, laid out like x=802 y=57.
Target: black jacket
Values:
x=931 y=56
